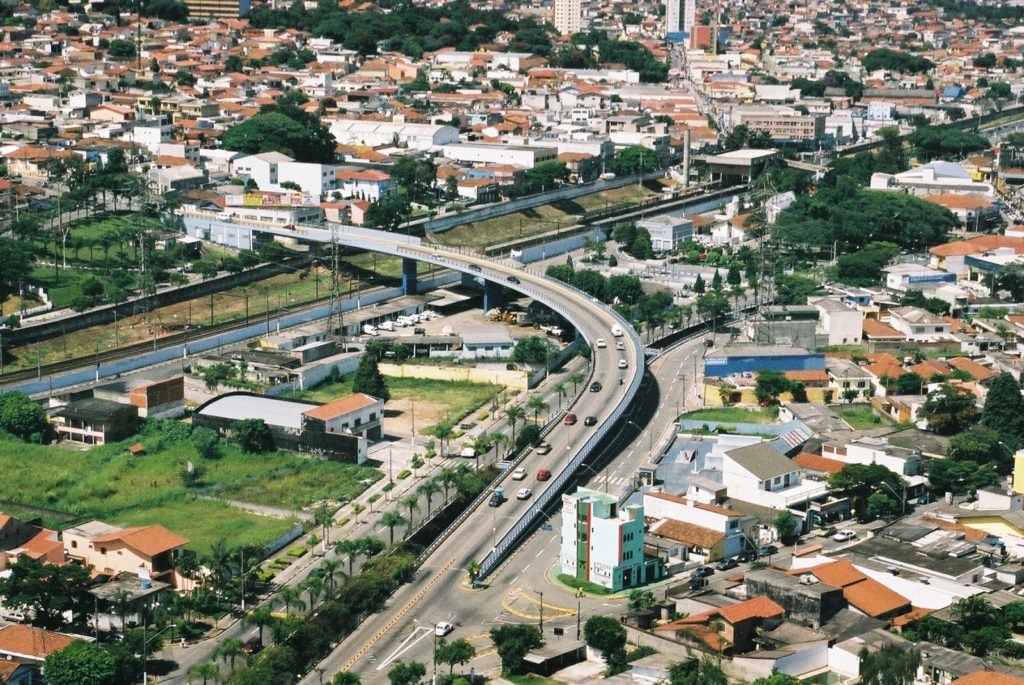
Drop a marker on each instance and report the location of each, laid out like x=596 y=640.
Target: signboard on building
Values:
x=601 y=569
x=568 y=507
x=263 y=199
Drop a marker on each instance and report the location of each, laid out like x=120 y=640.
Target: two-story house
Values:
x=368 y=184
x=870 y=450
x=918 y=324
x=689 y=528
x=760 y=474
x=111 y=550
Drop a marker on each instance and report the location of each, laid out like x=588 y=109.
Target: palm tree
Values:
x=686 y=311
x=358 y=509
x=331 y=569
x=353 y=548
x=499 y=439
x=737 y=293
x=207 y=671
x=392 y=519
x=428 y=489
x=443 y=432
x=314 y=587
x=412 y=503
x=725 y=392
x=560 y=388
x=324 y=517
x=537 y=404
x=123 y=600
x=289 y=597
x=481 y=445
x=447 y=478
x=576 y=377
x=474 y=571
x=513 y=414
x=229 y=650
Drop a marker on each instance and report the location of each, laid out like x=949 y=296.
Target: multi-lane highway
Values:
x=616 y=372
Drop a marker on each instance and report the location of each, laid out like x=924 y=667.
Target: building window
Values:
x=103 y=550
x=74 y=544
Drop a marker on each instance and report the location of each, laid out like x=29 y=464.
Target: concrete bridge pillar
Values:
x=408 y=276
x=492 y=296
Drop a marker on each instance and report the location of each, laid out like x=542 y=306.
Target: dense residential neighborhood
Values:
x=552 y=341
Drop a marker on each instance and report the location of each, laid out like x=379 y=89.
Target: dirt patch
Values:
x=400 y=415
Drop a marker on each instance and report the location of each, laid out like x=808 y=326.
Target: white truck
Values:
x=617 y=331
x=369 y=330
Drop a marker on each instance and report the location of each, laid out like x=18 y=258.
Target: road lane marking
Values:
x=406 y=645
x=394 y=619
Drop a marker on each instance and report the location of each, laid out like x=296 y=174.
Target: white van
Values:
x=617 y=331
x=388 y=326
x=369 y=330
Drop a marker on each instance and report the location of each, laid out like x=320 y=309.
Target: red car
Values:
x=543 y=474
x=570 y=419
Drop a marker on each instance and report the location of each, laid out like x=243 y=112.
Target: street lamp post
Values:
x=650 y=440
x=145 y=642
x=903 y=500
x=541 y=611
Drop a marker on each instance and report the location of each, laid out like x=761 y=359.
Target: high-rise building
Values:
x=568 y=16
x=672 y=16
x=689 y=15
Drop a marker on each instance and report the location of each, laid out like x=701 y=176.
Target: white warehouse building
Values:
x=522 y=156
x=383 y=133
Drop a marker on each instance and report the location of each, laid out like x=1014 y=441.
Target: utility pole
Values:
x=541 y=611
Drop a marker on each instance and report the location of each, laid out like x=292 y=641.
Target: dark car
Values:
x=595 y=387
x=726 y=564
x=698 y=583
x=253 y=645
x=702 y=572
x=590 y=421
x=475 y=267
x=570 y=419
x=513 y=279
x=767 y=550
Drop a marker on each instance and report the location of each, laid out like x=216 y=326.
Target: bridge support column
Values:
x=408 y=276
x=492 y=296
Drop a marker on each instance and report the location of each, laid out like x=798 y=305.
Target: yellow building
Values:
x=1018 y=472
x=218 y=9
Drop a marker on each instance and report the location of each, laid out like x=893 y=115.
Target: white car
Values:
x=600 y=342
x=523 y=493
x=622 y=364
x=844 y=535
x=619 y=345
x=443 y=628
x=519 y=474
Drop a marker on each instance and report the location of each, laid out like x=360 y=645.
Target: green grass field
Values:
x=530 y=222
x=860 y=417
x=109 y=484
x=732 y=415
x=458 y=399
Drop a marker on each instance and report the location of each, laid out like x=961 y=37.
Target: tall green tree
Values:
x=406 y=673
x=368 y=378
x=1004 y=408
x=950 y=409
x=982 y=445
x=47 y=590
x=890 y=665
x=253 y=436
x=770 y=384
x=23 y=418
x=289 y=132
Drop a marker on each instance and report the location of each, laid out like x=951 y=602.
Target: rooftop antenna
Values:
x=335 y=291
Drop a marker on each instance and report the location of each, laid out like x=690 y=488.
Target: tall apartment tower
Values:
x=689 y=15
x=568 y=16
x=680 y=15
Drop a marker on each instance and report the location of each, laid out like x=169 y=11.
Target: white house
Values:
x=523 y=156
x=869 y=450
x=918 y=324
x=269 y=170
x=931 y=178
x=369 y=184
x=760 y=474
x=705 y=521
x=385 y=133
x=150 y=136
x=667 y=232
x=843 y=325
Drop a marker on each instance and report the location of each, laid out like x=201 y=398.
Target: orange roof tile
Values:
x=875 y=599
x=148 y=540
x=838 y=573
x=35 y=643
x=346 y=405
x=877 y=329
x=816 y=462
x=807 y=375
x=758 y=607
x=688 y=533
x=951 y=201
x=978 y=372
x=982 y=243
x=987 y=678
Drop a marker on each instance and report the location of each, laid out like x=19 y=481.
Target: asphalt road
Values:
x=518 y=590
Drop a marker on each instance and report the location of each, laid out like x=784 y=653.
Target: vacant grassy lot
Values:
x=860 y=417
x=295 y=486
x=109 y=484
x=434 y=400
x=530 y=222
x=734 y=415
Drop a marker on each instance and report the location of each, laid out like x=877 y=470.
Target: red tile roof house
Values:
x=28 y=645
x=729 y=629
x=18 y=539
